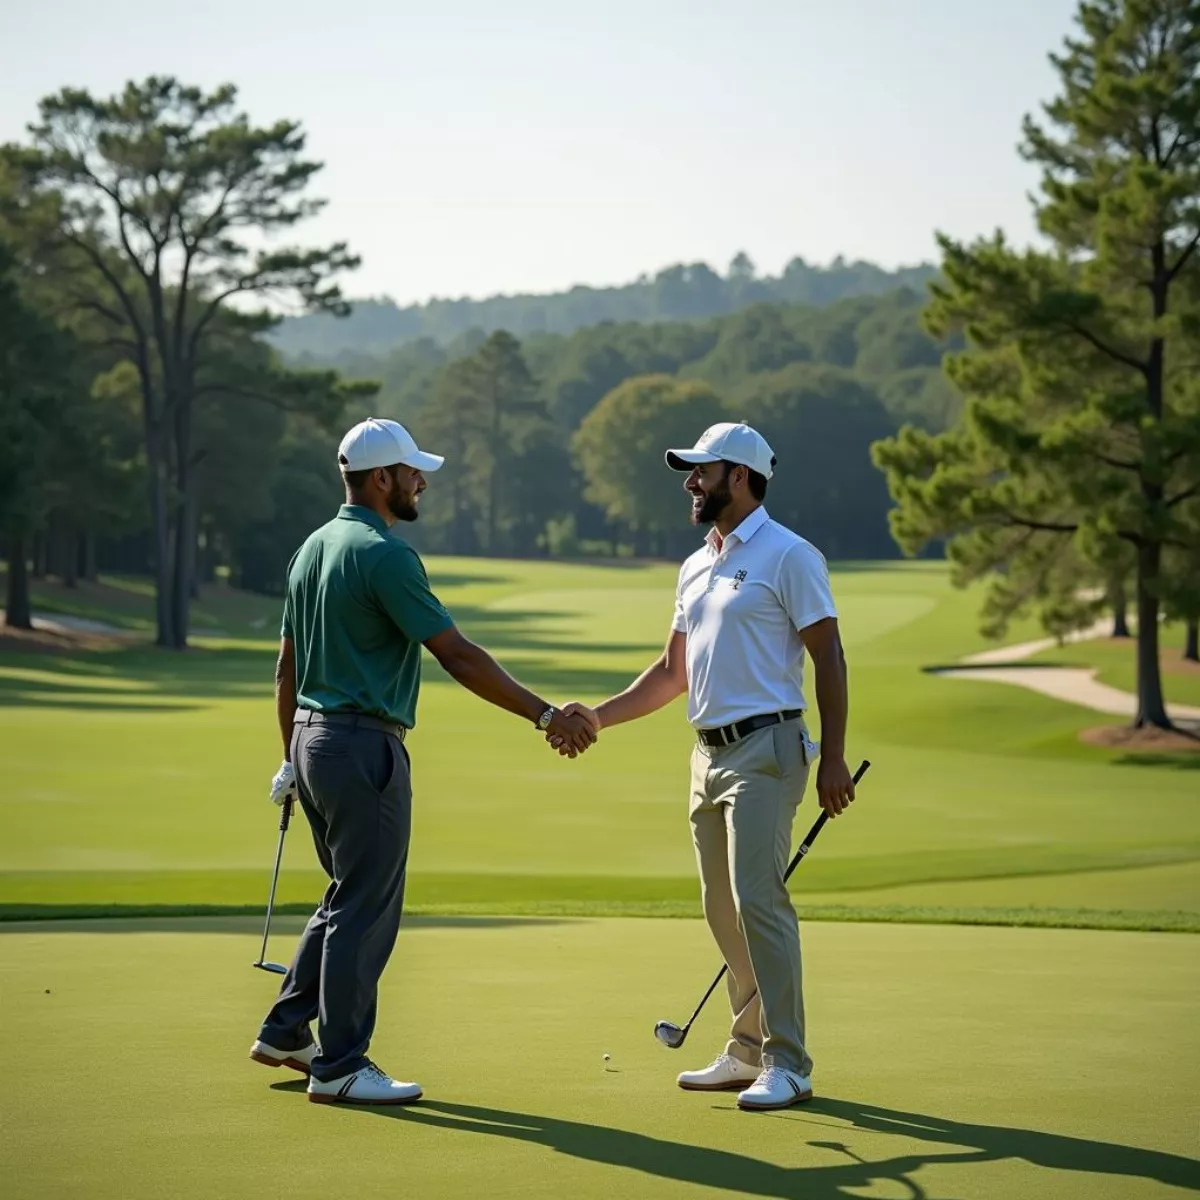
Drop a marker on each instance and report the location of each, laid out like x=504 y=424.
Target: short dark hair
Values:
x=357 y=480
x=756 y=482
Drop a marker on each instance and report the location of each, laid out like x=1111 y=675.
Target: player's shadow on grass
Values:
x=142 y=677
x=960 y=1142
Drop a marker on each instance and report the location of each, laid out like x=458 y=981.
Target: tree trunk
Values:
x=162 y=551
x=185 y=549
x=1118 y=601
x=70 y=551
x=1191 y=641
x=18 y=612
x=39 y=556
x=1151 y=708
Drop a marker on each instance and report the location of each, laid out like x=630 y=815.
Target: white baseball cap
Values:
x=727 y=442
x=378 y=442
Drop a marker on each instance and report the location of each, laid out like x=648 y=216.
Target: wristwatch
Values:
x=543 y=722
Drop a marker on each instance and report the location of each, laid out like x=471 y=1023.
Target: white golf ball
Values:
x=608 y=1058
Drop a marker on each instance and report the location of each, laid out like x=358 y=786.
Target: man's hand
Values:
x=283 y=786
x=573 y=730
x=835 y=784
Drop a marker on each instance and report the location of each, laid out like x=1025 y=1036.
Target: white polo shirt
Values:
x=742 y=608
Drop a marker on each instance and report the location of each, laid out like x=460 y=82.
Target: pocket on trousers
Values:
x=788 y=745
x=399 y=767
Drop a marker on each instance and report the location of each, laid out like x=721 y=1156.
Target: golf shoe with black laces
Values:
x=776 y=1087
x=723 y=1074
x=298 y=1060
x=370 y=1085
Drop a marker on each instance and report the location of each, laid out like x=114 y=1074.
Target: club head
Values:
x=670 y=1034
x=274 y=968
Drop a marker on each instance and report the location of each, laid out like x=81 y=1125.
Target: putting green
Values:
x=134 y=777
x=989 y=1063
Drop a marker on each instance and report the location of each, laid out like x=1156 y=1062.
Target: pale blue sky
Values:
x=474 y=147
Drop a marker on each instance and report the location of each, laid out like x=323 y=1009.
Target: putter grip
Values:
x=818 y=825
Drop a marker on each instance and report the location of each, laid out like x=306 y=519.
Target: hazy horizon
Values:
x=470 y=153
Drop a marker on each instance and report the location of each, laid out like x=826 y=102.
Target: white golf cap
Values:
x=378 y=442
x=727 y=443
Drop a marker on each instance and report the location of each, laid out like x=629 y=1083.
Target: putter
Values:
x=673 y=1036
x=285 y=817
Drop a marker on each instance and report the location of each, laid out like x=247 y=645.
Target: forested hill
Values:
x=679 y=293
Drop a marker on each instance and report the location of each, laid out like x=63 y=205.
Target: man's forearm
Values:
x=832 y=701
x=655 y=688
x=480 y=673
x=285 y=707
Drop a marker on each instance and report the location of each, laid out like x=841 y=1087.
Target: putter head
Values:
x=274 y=968
x=670 y=1034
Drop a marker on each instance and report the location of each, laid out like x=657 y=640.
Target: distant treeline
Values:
x=684 y=292
x=536 y=430
x=554 y=443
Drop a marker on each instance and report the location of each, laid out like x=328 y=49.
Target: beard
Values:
x=713 y=504
x=402 y=507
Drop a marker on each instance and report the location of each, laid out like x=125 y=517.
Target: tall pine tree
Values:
x=1080 y=422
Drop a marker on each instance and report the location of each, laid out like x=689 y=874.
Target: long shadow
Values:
x=246 y=670
x=451 y=579
x=740 y=1173
x=1168 y=761
x=148 y=922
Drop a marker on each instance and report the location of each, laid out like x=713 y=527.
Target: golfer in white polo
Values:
x=750 y=603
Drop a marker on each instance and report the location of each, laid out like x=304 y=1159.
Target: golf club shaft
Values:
x=284 y=819
x=804 y=848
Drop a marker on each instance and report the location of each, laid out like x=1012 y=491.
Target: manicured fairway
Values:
x=133 y=777
x=951 y=1062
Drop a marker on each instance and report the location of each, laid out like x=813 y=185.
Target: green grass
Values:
x=134 y=776
x=954 y=1057
x=989 y=1063
x=1115 y=662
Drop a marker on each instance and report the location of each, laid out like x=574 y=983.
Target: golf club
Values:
x=673 y=1036
x=285 y=817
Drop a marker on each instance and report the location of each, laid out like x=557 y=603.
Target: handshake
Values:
x=573 y=729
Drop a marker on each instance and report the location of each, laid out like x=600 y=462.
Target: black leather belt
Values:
x=728 y=734
x=355 y=720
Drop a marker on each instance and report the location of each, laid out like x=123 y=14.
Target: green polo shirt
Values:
x=358 y=608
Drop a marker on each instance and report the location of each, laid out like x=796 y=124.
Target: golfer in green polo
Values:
x=357 y=612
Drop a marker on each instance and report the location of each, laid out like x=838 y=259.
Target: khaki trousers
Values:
x=743 y=803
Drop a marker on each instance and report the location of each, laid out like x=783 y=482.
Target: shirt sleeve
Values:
x=288 y=629
x=804 y=586
x=679 y=620
x=401 y=587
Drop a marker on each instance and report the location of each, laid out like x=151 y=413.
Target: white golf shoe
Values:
x=721 y=1075
x=776 y=1087
x=298 y=1060
x=368 y=1086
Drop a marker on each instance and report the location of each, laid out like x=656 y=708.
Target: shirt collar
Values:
x=360 y=512
x=744 y=532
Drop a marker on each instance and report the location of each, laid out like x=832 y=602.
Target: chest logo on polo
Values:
x=738 y=579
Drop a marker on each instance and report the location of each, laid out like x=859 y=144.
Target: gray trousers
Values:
x=356 y=790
